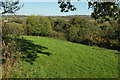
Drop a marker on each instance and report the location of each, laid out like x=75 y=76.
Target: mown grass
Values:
x=50 y=58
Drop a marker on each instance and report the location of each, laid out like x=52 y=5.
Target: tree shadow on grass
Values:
x=31 y=50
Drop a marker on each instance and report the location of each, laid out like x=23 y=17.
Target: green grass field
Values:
x=50 y=58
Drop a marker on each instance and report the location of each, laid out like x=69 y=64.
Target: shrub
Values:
x=10 y=55
x=104 y=42
x=80 y=29
x=58 y=35
x=116 y=27
x=109 y=29
x=38 y=25
x=17 y=20
x=72 y=34
x=59 y=25
x=13 y=28
x=52 y=21
x=10 y=47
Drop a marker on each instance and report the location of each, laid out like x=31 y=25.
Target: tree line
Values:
x=75 y=29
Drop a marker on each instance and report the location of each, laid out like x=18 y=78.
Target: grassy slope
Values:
x=68 y=60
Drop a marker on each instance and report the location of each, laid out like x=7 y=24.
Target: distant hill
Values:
x=14 y=16
x=47 y=16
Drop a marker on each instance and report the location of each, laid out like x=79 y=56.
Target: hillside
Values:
x=50 y=58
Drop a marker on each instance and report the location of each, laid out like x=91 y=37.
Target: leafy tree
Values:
x=59 y=25
x=80 y=29
x=104 y=10
x=9 y=6
x=66 y=6
x=38 y=25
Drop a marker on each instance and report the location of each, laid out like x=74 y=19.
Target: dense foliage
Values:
x=38 y=25
x=75 y=29
x=104 y=10
x=80 y=29
x=10 y=46
x=13 y=28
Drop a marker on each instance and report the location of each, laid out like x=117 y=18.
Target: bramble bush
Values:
x=10 y=47
x=10 y=55
x=104 y=42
